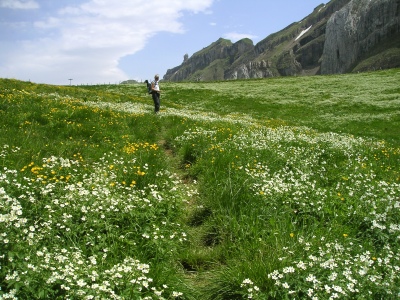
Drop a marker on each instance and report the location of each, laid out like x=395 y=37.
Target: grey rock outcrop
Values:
x=356 y=30
x=337 y=37
x=211 y=62
x=253 y=69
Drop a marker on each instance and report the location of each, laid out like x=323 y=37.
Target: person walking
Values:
x=155 y=93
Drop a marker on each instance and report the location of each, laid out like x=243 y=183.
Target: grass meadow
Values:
x=282 y=188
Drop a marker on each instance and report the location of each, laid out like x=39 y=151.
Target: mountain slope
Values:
x=307 y=47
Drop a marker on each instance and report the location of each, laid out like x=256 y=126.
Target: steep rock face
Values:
x=340 y=36
x=287 y=64
x=356 y=30
x=297 y=49
x=253 y=69
x=218 y=55
x=301 y=37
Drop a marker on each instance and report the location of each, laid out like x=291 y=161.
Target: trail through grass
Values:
x=266 y=189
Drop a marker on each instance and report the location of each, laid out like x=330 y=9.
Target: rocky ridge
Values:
x=338 y=37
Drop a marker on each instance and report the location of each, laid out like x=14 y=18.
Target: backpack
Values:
x=149 y=90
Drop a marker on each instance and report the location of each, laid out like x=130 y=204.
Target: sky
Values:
x=83 y=42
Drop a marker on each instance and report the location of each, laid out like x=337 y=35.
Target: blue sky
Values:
x=108 y=41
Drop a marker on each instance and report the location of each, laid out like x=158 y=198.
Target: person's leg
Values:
x=156 y=98
x=156 y=101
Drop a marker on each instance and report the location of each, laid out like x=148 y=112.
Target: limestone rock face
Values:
x=356 y=30
x=253 y=69
x=214 y=59
x=337 y=37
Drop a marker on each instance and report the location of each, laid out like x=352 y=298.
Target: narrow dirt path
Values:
x=196 y=276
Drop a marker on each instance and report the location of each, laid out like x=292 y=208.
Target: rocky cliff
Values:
x=210 y=63
x=341 y=36
x=360 y=30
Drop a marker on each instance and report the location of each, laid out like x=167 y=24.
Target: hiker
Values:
x=155 y=93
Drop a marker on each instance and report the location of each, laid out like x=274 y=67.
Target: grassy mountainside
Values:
x=308 y=47
x=265 y=189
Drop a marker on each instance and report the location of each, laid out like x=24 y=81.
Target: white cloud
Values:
x=19 y=4
x=86 y=42
x=235 y=36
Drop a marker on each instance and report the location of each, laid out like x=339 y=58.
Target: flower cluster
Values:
x=251 y=289
x=92 y=229
x=338 y=270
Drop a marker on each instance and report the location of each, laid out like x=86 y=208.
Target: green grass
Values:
x=278 y=188
x=345 y=103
